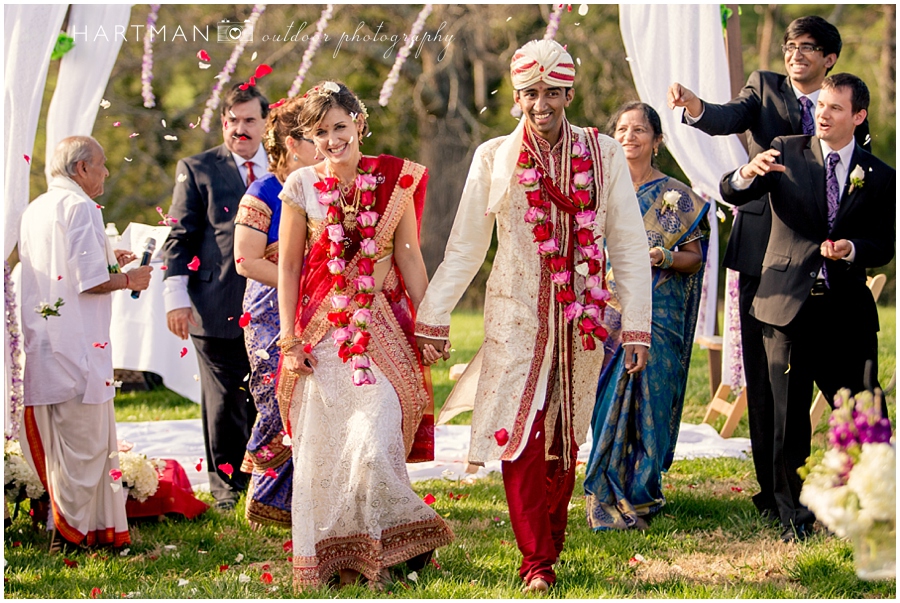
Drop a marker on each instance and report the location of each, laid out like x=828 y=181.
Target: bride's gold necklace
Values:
x=644 y=180
x=351 y=207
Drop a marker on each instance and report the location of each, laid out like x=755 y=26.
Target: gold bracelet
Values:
x=287 y=343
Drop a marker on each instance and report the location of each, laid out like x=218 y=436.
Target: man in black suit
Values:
x=770 y=105
x=205 y=300
x=833 y=207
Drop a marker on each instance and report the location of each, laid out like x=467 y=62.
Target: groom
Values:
x=833 y=207
x=538 y=378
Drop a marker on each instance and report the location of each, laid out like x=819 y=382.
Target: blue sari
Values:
x=267 y=459
x=636 y=418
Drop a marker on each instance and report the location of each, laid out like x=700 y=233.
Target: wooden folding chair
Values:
x=820 y=404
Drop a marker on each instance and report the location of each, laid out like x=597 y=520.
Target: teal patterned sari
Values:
x=636 y=418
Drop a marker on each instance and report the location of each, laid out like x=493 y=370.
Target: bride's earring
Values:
x=317 y=156
x=296 y=157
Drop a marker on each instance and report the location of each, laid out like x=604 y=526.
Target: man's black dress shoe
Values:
x=797 y=533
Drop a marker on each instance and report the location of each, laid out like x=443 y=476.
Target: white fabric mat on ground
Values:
x=183 y=441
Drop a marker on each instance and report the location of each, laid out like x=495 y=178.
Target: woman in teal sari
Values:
x=636 y=418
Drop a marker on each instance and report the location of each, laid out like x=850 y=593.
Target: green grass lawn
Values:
x=707 y=543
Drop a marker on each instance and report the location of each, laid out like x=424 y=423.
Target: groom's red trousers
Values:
x=538 y=492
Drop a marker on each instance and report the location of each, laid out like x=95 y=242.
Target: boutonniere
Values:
x=857 y=178
x=670 y=200
x=47 y=310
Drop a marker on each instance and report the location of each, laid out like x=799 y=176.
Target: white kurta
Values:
x=513 y=381
x=64 y=252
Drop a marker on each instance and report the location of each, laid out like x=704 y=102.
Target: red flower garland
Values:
x=351 y=334
x=587 y=312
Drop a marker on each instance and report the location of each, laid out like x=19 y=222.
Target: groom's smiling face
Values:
x=544 y=107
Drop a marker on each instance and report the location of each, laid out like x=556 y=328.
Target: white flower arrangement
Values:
x=670 y=200
x=140 y=475
x=852 y=486
x=18 y=475
x=857 y=178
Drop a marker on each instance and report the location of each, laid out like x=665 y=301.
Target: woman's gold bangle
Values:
x=288 y=342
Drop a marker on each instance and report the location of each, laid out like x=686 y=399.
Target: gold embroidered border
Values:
x=280 y=452
x=367 y=555
x=391 y=351
x=260 y=513
x=254 y=213
x=434 y=332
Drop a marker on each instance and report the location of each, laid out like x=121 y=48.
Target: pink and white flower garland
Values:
x=16 y=395
x=314 y=43
x=351 y=335
x=225 y=75
x=553 y=24
x=394 y=76
x=586 y=312
x=147 y=60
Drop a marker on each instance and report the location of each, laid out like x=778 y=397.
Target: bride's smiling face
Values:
x=337 y=137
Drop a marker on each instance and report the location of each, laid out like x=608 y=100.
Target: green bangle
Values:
x=667 y=260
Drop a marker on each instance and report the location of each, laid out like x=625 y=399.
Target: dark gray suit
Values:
x=823 y=338
x=205 y=205
x=766 y=108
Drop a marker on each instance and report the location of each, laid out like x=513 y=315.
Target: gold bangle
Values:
x=288 y=342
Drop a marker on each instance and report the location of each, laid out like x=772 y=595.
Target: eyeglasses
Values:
x=803 y=48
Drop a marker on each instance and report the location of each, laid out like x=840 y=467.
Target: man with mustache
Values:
x=203 y=289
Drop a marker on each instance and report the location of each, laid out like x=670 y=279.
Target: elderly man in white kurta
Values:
x=69 y=423
x=557 y=193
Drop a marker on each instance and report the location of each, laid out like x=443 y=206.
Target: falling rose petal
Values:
x=170 y=137
x=720 y=214
x=288 y=546
x=163 y=122
x=243 y=578
x=59 y=278
x=736 y=489
x=128 y=159
x=102 y=346
x=239 y=260
x=223 y=568
x=266 y=578
x=100 y=206
x=244 y=320
x=70 y=563
x=788 y=369
x=435 y=563
x=262 y=354
x=262 y=71
x=199 y=466
x=181 y=177
x=104 y=103
x=133 y=134
x=429 y=499
x=203 y=55
x=228 y=470
x=117 y=384
x=196 y=377
x=246 y=378
x=253 y=58
x=483 y=109
x=27 y=158
x=95 y=592
x=202 y=66
x=502 y=437
x=116 y=474
x=113 y=454
x=194 y=264
x=583 y=10
x=226 y=209
x=116 y=124
x=271 y=473
x=183 y=352
x=115 y=486
x=307 y=348
x=286 y=440
x=163 y=267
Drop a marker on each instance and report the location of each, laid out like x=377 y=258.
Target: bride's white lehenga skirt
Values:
x=353 y=506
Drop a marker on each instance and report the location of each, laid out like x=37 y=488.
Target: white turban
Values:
x=542 y=60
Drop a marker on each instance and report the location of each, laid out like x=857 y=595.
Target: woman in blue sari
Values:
x=267 y=459
x=636 y=418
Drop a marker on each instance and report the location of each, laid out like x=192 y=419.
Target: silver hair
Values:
x=69 y=152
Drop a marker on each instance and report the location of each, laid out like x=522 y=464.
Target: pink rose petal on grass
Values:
x=95 y=592
x=429 y=499
x=288 y=546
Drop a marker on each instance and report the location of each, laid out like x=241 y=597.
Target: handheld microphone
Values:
x=149 y=248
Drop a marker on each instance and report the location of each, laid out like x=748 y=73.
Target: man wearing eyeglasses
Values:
x=770 y=105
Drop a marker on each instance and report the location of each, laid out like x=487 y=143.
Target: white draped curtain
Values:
x=84 y=71
x=30 y=33
x=685 y=43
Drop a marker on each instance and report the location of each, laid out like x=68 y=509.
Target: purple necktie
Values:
x=806 y=116
x=833 y=194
